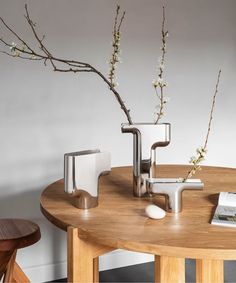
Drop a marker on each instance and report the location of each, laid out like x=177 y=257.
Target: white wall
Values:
x=44 y=114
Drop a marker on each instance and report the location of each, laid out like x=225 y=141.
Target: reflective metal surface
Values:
x=146 y=138
x=81 y=174
x=172 y=188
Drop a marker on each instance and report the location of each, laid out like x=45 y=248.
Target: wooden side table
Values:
x=15 y=234
x=119 y=222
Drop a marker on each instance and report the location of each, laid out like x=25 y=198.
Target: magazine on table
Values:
x=225 y=213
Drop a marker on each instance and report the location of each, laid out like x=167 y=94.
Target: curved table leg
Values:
x=19 y=275
x=208 y=271
x=169 y=269
x=82 y=258
x=5 y=257
x=10 y=267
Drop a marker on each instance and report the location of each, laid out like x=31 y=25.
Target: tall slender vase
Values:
x=146 y=138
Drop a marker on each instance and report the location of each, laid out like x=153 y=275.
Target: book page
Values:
x=227 y=199
x=225 y=216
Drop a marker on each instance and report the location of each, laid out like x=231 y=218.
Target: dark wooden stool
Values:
x=15 y=234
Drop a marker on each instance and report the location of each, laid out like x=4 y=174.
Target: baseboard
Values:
x=121 y=258
x=47 y=272
x=115 y=259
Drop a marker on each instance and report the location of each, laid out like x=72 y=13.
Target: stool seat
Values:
x=17 y=233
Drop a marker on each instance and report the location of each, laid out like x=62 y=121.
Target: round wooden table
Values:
x=119 y=222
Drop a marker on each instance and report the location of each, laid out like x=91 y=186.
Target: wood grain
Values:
x=209 y=271
x=17 y=233
x=169 y=269
x=19 y=275
x=5 y=257
x=82 y=258
x=80 y=262
x=119 y=220
x=14 y=273
x=96 y=270
x=9 y=278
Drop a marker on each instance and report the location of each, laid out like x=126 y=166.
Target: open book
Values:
x=225 y=213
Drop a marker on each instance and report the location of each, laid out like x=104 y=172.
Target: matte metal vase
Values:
x=146 y=138
x=82 y=170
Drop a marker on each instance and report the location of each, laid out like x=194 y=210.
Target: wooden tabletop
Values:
x=120 y=222
x=17 y=233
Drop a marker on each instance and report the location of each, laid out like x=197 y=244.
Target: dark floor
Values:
x=138 y=273
x=145 y=273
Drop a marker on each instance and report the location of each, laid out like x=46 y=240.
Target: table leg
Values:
x=5 y=257
x=96 y=270
x=82 y=258
x=209 y=271
x=169 y=269
x=18 y=275
x=10 y=268
x=79 y=257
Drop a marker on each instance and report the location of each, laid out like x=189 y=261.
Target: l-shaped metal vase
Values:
x=146 y=138
x=82 y=171
x=172 y=189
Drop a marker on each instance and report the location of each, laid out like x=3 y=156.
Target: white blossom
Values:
x=13 y=47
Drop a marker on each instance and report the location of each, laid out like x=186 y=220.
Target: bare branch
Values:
x=212 y=109
x=32 y=25
x=20 y=56
x=118 y=97
x=15 y=34
x=121 y=20
x=68 y=66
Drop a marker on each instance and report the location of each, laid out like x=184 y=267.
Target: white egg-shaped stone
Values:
x=155 y=212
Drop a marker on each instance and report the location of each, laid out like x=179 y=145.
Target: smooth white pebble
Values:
x=155 y=212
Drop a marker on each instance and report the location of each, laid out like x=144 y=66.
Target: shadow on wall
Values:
x=22 y=198
x=21 y=204
x=53 y=241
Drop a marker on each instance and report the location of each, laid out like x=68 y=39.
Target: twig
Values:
x=116 y=47
x=32 y=25
x=15 y=34
x=201 y=152
x=159 y=82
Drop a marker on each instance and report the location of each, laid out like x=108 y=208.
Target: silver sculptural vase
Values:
x=82 y=171
x=172 y=189
x=146 y=138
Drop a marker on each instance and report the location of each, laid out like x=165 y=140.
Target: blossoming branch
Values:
x=159 y=84
x=24 y=50
x=115 y=57
x=201 y=151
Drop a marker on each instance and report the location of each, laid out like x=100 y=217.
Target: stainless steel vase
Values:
x=172 y=189
x=82 y=170
x=146 y=138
